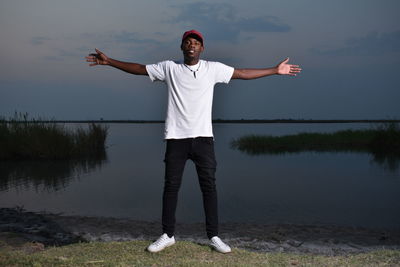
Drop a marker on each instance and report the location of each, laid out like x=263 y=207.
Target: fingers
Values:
x=294 y=72
x=90 y=58
x=93 y=57
x=295 y=69
x=99 y=53
x=288 y=69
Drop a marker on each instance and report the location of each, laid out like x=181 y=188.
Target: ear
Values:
x=182 y=46
x=202 y=48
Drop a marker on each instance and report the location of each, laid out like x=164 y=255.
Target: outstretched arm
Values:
x=281 y=69
x=99 y=58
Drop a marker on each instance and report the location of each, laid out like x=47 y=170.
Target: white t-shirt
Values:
x=190 y=95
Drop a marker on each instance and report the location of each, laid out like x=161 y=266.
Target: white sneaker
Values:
x=219 y=246
x=163 y=242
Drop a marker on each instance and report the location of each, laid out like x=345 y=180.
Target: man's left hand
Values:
x=284 y=68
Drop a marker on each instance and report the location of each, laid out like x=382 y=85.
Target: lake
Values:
x=350 y=189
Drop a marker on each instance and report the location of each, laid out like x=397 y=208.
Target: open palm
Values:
x=284 y=68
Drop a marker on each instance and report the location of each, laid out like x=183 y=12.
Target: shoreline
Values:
x=235 y=121
x=53 y=229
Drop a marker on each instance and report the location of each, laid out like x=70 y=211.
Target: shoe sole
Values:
x=223 y=252
x=160 y=249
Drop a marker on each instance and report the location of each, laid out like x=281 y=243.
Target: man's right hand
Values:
x=98 y=58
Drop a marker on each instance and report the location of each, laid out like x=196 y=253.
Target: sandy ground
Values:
x=53 y=229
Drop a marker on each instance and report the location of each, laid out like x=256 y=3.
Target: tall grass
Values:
x=24 y=138
x=382 y=139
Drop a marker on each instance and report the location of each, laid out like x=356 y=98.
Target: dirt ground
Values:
x=19 y=227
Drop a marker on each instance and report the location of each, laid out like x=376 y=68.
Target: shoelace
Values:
x=219 y=242
x=160 y=240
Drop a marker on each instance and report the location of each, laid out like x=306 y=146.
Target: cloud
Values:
x=121 y=37
x=67 y=53
x=220 y=22
x=53 y=58
x=39 y=40
x=373 y=44
x=122 y=43
x=132 y=37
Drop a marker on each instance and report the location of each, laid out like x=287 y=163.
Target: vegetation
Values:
x=182 y=254
x=383 y=142
x=383 y=139
x=23 y=138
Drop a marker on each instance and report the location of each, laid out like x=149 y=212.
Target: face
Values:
x=192 y=48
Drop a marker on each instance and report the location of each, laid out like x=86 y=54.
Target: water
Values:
x=310 y=188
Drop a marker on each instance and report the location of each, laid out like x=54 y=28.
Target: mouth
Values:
x=190 y=52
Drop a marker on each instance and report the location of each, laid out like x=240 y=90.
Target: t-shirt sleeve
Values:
x=223 y=72
x=157 y=71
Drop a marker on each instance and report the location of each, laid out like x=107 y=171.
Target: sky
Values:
x=349 y=52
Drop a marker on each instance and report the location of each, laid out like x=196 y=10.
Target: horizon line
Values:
x=216 y=121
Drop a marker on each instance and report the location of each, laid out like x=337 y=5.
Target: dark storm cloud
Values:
x=374 y=44
x=220 y=22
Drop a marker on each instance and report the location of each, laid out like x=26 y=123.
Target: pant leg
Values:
x=203 y=156
x=175 y=158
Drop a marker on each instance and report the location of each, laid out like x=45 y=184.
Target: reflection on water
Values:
x=388 y=161
x=306 y=188
x=382 y=142
x=49 y=175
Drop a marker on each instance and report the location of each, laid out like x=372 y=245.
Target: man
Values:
x=188 y=124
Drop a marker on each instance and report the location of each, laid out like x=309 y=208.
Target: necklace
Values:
x=194 y=71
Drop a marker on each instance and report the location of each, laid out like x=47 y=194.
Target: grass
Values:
x=383 y=139
x=23 y=138
x=184 y=253
x=383 y=142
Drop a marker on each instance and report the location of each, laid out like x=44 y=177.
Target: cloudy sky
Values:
x=349 y=52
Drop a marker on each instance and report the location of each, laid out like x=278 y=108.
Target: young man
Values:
x=188 y=124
